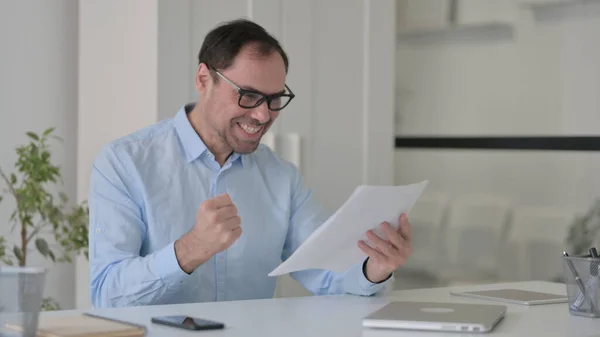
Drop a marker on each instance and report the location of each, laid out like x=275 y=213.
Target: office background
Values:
x=365 y=73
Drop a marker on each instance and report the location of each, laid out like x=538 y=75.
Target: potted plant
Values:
x=37 y=209
x=583 y=232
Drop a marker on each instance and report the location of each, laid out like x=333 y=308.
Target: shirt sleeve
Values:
x=119 y=276
x=305 y=217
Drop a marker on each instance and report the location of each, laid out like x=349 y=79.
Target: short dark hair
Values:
x=222 y=44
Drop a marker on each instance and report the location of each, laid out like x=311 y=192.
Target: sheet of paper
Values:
x=333 y=246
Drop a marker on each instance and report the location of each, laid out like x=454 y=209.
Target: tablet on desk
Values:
x=514 y=296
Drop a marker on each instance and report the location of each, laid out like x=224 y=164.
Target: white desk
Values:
x=341 y=315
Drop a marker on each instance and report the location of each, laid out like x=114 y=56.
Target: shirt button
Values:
x=221 y=260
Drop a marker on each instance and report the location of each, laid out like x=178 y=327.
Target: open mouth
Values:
x=251 y=131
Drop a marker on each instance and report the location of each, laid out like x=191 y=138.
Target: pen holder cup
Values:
x=582 y=280
x=21 y=293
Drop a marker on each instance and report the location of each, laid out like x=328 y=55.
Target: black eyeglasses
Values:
x=251 y=99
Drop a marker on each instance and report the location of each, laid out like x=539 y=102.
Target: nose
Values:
x=261 y=113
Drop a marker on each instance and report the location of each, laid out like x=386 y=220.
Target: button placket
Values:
x=220 y=258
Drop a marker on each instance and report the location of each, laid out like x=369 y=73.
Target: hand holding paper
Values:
x=390 y=252
x=333 y=246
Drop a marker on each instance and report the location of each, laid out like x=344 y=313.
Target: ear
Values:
x=203 y=78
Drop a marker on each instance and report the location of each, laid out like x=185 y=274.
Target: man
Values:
x=193 y=209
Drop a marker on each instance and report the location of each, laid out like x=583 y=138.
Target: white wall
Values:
x=177 y=54
x=118 y=83
x=38 y=89
x=541 y=79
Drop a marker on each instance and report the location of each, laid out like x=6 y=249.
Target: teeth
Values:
x=250 y=129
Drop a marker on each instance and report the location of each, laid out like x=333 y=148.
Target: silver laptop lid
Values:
x=436 y=316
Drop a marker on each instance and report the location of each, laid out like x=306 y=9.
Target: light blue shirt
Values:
x=144 y=194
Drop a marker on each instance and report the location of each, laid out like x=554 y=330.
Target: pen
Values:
x=582 y=288
x=593 y=292
x=594 y=264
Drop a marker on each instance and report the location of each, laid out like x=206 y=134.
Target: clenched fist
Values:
x=217 y=227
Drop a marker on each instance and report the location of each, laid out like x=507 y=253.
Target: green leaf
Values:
x=2 y=248
x=49 y=304
x=33 y=136
x=42 y=246
x=27 y=220
x=13 y=178
x=17 y=253
x=51 y=256
x=48 y=131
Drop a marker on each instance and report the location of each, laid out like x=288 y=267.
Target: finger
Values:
x=213 y=204
x=404 y=228
x=221 y=200
x=372 y=253
x=232 y=223
x=393 y=236
x=374 y=248
x=236 y=233
x=384 y=246
x=231 y=236
x=225 y=213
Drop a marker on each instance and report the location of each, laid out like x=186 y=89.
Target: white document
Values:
x=333 y=246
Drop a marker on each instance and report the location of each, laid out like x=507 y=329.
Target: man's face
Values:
x=240 y=129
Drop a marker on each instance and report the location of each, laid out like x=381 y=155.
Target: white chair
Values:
x=474 y=233
x=535 y=243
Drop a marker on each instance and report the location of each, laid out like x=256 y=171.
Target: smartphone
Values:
x=187 y=322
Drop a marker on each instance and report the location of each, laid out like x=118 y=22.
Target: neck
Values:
x=215 y=144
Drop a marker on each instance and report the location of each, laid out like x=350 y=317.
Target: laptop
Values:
x=434 y=316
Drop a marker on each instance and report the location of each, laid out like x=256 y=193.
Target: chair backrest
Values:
x=540 y=223
x=476 y=227
x=479 y=210
x=535 y=242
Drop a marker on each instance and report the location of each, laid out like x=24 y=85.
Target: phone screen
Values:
x=188 y=322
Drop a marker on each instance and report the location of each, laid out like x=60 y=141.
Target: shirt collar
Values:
x=193 y=145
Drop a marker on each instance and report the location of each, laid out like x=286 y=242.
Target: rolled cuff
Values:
x=357 y=282
x=167 y=267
